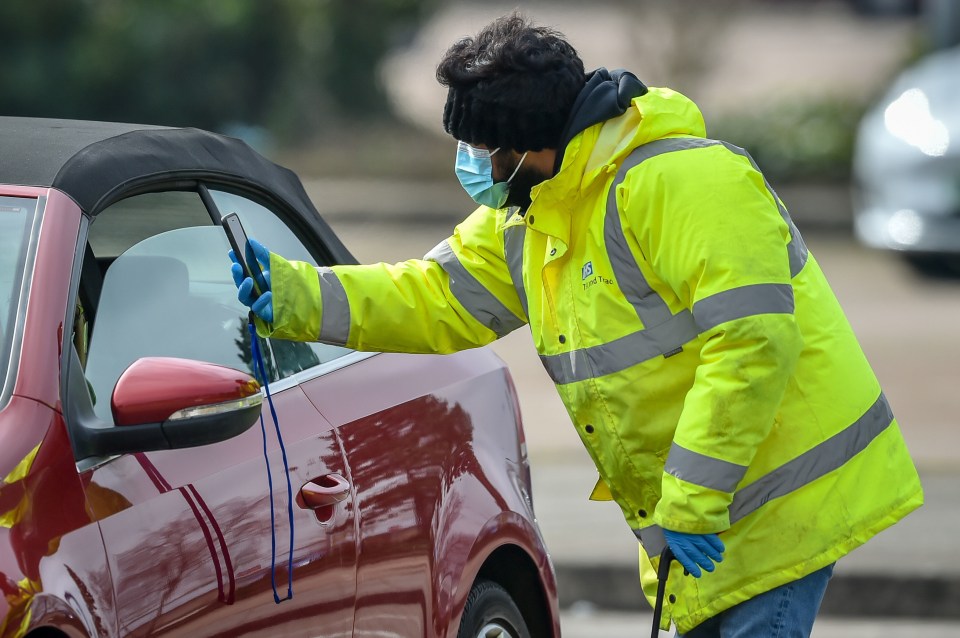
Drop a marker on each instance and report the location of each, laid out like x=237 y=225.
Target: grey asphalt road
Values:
x=584 y=623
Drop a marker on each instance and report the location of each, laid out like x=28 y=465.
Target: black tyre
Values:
x=491 y=613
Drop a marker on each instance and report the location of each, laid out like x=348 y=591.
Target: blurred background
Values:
x=851 y=107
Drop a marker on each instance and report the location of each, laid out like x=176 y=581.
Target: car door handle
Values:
x=323 y=491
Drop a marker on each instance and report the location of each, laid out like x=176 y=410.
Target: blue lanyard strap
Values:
x=262 y=378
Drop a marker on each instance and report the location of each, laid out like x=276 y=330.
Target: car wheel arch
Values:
x=506 y=552
x=513 y=569
x=55 y=617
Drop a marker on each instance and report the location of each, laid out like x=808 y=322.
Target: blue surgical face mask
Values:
x=474 y=169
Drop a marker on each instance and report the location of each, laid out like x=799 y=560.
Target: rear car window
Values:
x=16 y=221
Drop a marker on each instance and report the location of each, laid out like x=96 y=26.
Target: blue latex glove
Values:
x=695 y=550
x=262 y=306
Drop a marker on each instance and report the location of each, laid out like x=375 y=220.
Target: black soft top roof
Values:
x=98 y=163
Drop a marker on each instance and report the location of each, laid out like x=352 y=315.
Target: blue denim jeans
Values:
x=785 y=612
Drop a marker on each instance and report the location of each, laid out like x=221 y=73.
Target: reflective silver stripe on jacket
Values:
x=335 y=322
x=513 y=237
x=652 y=539
x=745 y=301
x=644 y=345
x=815 y=463
x=472 y=295
x=703 y=470
x=651 y=308
x=620 y=354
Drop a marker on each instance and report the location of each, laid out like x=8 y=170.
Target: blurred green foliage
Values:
x=796 y=141
x=294 y=66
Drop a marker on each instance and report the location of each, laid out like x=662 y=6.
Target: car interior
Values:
x=155 y=281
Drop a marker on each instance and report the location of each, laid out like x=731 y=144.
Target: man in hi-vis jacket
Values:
x=703 y=359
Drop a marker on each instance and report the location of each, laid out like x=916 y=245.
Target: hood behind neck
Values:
x=607 y=94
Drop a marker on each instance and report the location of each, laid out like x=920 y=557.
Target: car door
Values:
x=203 y=538
x=420 y=446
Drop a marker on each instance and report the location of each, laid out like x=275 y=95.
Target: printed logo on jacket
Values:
x=591 y=279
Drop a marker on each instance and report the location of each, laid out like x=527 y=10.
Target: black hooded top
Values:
x=606 y=95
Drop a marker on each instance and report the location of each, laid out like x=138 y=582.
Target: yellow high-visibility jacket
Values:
x=705 y=363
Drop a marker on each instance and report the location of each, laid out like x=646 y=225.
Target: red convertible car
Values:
x=141 y=494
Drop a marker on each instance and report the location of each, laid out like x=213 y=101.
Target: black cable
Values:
x=663 y=571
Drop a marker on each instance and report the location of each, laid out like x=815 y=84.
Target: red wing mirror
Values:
x=163 y=389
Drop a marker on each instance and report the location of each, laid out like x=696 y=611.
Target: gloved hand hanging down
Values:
x=695 y=550
x=262 y=306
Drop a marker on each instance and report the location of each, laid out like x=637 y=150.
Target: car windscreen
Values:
x=16 y=222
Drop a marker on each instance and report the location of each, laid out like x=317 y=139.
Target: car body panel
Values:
x=51 y=555
x=419 y=521
x=38 y=376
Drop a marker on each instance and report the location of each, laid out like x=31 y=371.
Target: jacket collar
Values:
x=595 y=152
x=605 y=95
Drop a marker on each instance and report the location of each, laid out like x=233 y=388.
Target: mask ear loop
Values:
x=517 y=169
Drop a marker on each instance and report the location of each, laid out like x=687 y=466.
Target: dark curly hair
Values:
x=511 y=86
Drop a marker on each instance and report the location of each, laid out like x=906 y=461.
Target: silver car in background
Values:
x=906 y=167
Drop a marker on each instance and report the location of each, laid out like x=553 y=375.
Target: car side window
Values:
x=166 y=291
x=263 y=225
